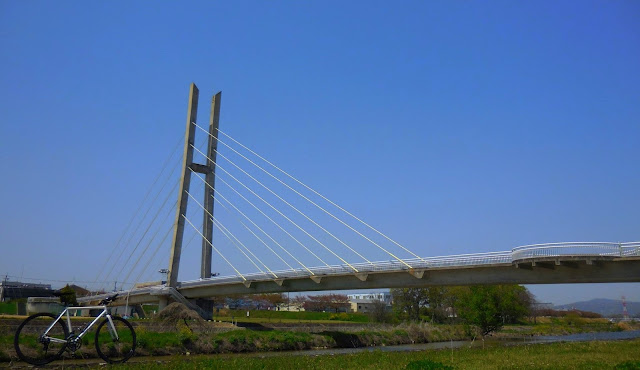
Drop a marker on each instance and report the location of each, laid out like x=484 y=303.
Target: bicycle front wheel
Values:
x=115 y=346
x=37 y=345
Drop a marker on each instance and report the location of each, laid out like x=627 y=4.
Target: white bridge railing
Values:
x=580 y=249
x=571 y=249
x=576 y=249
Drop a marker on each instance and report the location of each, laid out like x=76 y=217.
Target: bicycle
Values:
x=43 y=337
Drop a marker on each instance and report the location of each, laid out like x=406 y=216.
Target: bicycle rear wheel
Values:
x=34 y=344
x=114 y=348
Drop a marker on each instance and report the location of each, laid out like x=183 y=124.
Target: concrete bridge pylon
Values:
x=208 y=169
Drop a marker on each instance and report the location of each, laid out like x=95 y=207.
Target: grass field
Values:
x=267 y=316
x=263 y=320
x=8 y=308
x=586 y=355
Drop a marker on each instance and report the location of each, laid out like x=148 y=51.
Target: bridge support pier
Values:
x=206 y=305
x=162 y=303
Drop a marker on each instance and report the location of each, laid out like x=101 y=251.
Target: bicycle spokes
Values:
x=118 y=346
x=37 y=346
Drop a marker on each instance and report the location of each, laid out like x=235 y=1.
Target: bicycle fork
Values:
x=112 y=329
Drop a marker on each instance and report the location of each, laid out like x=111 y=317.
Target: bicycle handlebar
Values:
x=108 y=300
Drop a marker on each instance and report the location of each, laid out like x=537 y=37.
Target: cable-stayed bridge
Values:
x=277 y=234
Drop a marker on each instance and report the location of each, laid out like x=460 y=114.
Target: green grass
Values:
x=288 y=315
x=563 y=325
x=264 y=320
x=588 y=355
x=150 y=309
x=6 y=341
x=182 y=339
x=151 y=340
x=232 y=341
x=252 y=341
x=8 y=308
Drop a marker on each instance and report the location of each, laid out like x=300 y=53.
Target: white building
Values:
x=377 y=296
x=366 y=302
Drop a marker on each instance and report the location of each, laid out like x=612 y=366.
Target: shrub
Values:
x=426 y=365
x=628 y=365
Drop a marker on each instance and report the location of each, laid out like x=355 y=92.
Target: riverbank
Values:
x=176 y=336
x=621 y=355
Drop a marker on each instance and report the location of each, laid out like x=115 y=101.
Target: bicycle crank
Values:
x=73 y=343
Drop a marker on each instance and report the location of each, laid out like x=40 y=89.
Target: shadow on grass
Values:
x=344 y=340
x=253 y=326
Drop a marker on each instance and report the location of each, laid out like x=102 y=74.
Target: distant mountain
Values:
x=605 y=307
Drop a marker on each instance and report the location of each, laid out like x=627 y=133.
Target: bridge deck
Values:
x=538 y=264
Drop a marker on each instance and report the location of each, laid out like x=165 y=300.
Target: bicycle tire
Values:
x=111 y=350
x=38 y=352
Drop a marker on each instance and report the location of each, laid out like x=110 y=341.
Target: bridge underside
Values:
x=532 y=271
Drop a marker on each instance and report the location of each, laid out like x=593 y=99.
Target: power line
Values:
x=58 y=280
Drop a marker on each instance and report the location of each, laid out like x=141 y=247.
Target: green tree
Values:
x=434 y=302
x=409 y=302
x=327 y=302
x=68 y=296
x=379 y=312
x=489 y=307
x=437 y=302
x=269 y=299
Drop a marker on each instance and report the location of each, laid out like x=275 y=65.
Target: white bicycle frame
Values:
x=104 y=312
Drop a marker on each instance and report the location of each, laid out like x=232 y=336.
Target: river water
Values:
x=583 y=337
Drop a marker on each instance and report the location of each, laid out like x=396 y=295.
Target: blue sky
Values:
x=454 y=127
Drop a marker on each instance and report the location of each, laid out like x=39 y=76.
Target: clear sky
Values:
x=452 y=126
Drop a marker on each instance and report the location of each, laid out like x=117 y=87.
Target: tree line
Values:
x=485 y=307
x=316 y=303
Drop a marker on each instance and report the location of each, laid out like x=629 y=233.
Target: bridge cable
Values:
x=154 y=217
x=214 y=248
x=218 y=194
x=144 y=269
x=216 y=222
x=312 y=202
x=315 y=192
x=304 y=231
x=230 y=235
x=144 y=251
x=135 y=214
x=269 y=218
x=140 y=224
x=109 y=259
x=251 y=231
x=148 y=227
x=273 y=221
x=296 y=209
x=160 y=264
